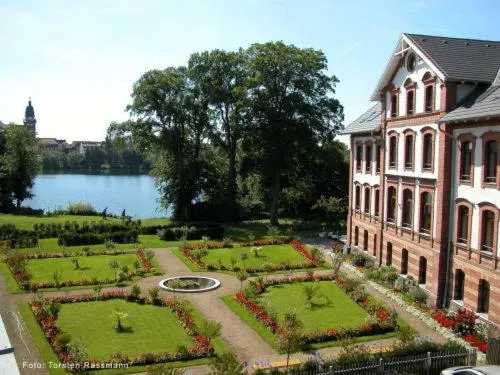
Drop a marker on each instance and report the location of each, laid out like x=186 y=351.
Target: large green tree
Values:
x=222 y=78
x=293 y=108
x=170 y=119
x=19 y=163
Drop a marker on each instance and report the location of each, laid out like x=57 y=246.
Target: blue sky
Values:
x=79 y=59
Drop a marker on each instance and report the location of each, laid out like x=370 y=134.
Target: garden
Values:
x=115 y=327
x=262 y=256
x=80 y=269
x=328 y=308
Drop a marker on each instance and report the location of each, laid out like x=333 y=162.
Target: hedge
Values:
x=70 y=238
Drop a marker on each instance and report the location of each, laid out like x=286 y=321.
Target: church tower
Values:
x=29 y=117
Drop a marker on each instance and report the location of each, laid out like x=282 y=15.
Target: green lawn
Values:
x=337 y=309
x=49 y=245
x=48 y=354
x=153 y=329
x=90 y=266
x=341 y=311
x=272 y=254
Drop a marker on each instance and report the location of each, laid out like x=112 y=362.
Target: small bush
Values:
x=419 y=296
x=81 y=208
x=359 y=259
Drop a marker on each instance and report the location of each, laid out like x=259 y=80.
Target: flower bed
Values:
x=17 y=265
x=384 y=320
x=462 y=323
x=415 y=311
x=312 y=262
x=201 y=347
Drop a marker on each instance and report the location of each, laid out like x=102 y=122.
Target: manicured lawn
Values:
x=273 y=254
x=152 y=329
x=48 y=354
x=337 y=309
x=90 y=266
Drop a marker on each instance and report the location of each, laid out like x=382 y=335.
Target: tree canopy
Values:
x=236 y=132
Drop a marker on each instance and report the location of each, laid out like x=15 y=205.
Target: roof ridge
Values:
x=452 y=37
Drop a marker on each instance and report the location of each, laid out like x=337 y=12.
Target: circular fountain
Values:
x=189 y=284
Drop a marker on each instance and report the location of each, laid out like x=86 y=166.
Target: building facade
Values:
x=425 y=170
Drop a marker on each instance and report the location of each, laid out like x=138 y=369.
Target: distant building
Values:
x=29 y=117
x=53 y=143
x=81 y=146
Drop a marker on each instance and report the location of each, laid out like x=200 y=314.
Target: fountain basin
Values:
x=189 y=284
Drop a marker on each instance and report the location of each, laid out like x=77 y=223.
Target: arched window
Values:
x=377 y=158
x=428 y=154
x=429 y=98
x=422 y=270
x=357 y=197
x=377 y=202
x=466 y=158
x=463 y=225
x=409 y=151
x=407 y=208
x=488 y=225
x=425 y=213
x=393 y=151
x=367 y=200
x=410 y=102
x=356 y=236
x=375 y=244
x=490 y=162
x=394 y=105
x=404 y=262
x=359 y=153
x=368 y=158
x=458 y=292
x=391 y=204
x=388 y=258
x=484 y=297
x=365 y=240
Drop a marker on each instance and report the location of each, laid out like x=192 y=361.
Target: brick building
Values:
x=425 y=170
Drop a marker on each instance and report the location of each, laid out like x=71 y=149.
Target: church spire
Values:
x=29 y=116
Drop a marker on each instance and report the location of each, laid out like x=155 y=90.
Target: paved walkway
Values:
x=241 y=339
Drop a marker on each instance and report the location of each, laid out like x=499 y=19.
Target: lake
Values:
x=135 y=193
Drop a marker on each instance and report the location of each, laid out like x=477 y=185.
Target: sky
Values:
x=78 y=59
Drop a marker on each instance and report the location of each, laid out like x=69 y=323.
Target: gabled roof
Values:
x=367 y=122
x=451 y=59
x=459 y=59
x=479 y=104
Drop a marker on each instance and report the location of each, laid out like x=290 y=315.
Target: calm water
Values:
x=134 y=193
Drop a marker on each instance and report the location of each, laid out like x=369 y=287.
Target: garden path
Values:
x=241 y=339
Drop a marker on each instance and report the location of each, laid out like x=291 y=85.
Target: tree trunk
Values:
x=273 y=214
x=231 y=188
x=18 y=203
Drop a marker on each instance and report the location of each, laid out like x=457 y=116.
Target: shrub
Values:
x=81 y=208
x=383 y=274
x=174 y=233
x=359 y=259
x=63 y=340
x=135 y=292
x=418 y=295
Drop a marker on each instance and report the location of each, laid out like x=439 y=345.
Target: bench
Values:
x=277 y=364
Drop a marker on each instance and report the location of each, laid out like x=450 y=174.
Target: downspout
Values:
x=445 y=299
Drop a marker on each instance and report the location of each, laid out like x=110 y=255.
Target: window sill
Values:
x=490 y=185
x=465 y=182
x=427 y=169
x=424 y=235
x=458 y=302
x=483 y=316
x=463 y=245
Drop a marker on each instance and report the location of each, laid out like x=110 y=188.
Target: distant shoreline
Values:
x=116 y=172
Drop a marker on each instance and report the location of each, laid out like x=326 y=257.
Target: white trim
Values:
x=438 y=72
x=396 y=56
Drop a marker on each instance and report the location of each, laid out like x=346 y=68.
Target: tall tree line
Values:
x=235 y=132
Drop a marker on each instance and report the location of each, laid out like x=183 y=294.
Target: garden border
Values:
x=202 y=348
x=312 y=262
x=21 y=276
x=386 y=320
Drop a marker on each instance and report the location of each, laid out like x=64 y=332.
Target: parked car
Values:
x=471 y=370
